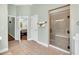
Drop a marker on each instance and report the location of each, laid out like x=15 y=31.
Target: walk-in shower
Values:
x=60 y=27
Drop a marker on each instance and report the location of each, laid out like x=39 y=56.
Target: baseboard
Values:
x=60 y=49
x=4 y=50
x=42 y=43
x=46 y=45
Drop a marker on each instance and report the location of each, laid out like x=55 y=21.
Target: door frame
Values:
x=49 y=14
x=15 y=27
x=15 y=22
x=19 y=17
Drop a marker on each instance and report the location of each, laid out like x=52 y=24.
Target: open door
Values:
x=17 y=29
x=34 y=28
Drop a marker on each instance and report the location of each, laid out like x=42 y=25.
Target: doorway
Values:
x=17 y=30
x=11 y=28
x=23 y=25
x=59 y=31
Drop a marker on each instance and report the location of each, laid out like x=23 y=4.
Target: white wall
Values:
x=74 y=27
x=3 y=27
x=23 y=10
x=11 y=10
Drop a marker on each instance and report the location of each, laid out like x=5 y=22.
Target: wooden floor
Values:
x=30 y=48
x=24 y=37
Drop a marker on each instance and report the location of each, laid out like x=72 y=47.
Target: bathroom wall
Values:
x=3 y=27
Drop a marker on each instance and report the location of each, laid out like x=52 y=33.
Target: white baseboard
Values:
x=4 y=50
x=60 y=49
x=46 y=45
x=42 y=43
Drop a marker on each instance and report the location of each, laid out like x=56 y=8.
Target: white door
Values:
x=17 y=29
x=34 y=27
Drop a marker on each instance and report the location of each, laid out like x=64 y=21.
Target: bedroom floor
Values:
x=30 y=48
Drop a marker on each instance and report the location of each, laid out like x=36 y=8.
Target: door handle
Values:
x=68 y=17
x=68 y=32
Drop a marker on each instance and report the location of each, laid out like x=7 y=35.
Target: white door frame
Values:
x=15 y=26
x=27 y=26
x=15 y=22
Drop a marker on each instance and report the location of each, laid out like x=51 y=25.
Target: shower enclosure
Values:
x=60 y=28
